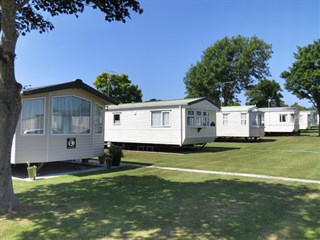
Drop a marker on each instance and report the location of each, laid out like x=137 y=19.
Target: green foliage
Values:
x=234 y=104
x=303 y=77
x=118 y=87
x=266 y=93
x=30 y=13
x=296 y=105
x=227 y=67
x=115 y=151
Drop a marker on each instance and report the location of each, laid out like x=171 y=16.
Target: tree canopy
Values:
x=227 y=67
x=30 y=13
x=299 y=107
x=266 y=93
x=303 y=77
x=118 y=87
x=18 y=17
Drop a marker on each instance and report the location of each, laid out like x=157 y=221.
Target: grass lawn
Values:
x=289 y=156
x=140 y=203
x=145 y=203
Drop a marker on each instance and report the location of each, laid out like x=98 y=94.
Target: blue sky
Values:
x=157 y=48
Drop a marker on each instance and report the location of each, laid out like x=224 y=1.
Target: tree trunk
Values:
x=10 y=102
x=318 y=108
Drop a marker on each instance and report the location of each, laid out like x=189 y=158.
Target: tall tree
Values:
x=18 y=17
x=299 y=107
x=118 y=87
x=266 y=93
x=228 y=67
x=303 y=78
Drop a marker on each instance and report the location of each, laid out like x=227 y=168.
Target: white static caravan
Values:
x=60 y=122
x=281 y=119
x=240 y=121
x=307 y=119
x=173 y=122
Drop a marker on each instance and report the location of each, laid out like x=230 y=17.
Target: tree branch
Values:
x=22 y=4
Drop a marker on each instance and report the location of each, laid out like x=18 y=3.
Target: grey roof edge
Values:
x=78 y=83
x=240 y=108
x=159 y=104
x=277 y=109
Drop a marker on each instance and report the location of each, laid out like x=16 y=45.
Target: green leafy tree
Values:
x=18 y=17
x=298 y=106
x=303 y=77
x=154 y=100
x=227 y=67
x=266 y=93
x=118 y=87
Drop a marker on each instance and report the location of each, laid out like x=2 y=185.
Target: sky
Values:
x=156 y=49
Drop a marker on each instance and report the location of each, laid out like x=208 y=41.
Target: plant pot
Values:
x=102 y=159
x=116 y=161
x=32 y=172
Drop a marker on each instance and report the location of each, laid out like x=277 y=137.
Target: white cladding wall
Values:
x=205 y=134
x=135 y=126
x=305 y=119
x=273 y=124
x=234 y=128
x=49 y=147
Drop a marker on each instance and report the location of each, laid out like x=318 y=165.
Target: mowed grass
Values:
x=287 y=156
x=148 y=203
x=142 y=203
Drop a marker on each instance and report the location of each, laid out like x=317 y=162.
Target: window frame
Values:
x=162 y=125
x=44 y=118
x=285 y=115
x=116 y=123
x=94 y=120
x=243 y=121
x=73 y=134
x=225 y=121
x=199 y=118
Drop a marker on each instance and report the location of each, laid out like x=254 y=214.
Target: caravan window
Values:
x=283 y=117
x=70 y=115
x=32 y=116
x=117 y=118
x=98 y=119
x=190 y=118
x=197 y=118
x=257 y=119
x=254 y=119
x=225 y=118
x=205 y=119
x=243 y=118
x=166 y=119
x=160 y=119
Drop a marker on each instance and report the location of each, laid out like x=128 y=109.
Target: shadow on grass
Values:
x=150 y=207
x=217 y=149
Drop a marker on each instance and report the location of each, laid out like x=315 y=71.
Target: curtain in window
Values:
x=254 y=119
x=165 y=118
x=156 y=119
x=70 y=115
x=190 y=121
x=243 y=118
x=259 y=119
x=98 y=119
x=283 y=117
x=33 y=116
x=225 y=119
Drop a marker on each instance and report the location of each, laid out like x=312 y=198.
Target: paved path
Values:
x=228 y=173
